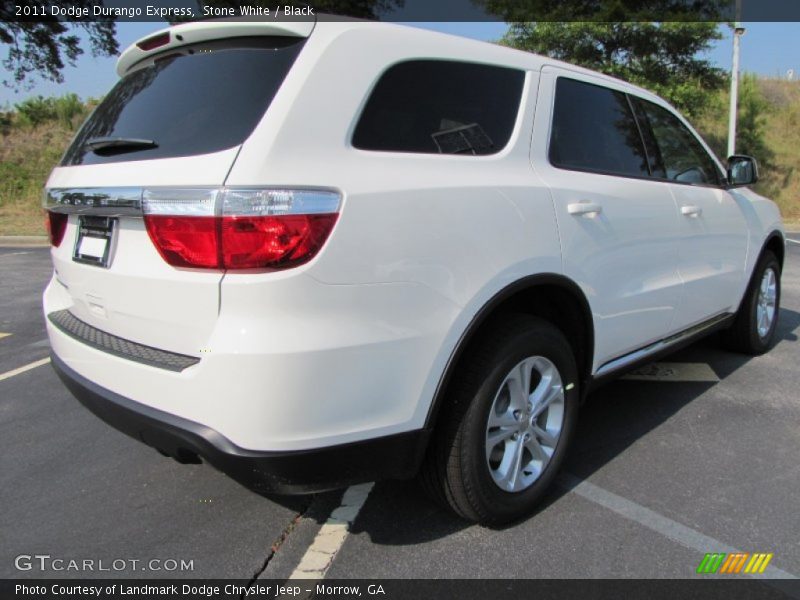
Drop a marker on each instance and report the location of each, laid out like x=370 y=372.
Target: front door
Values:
x=713 y=231
x=619 y=227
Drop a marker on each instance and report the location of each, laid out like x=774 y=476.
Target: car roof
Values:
x=332 y=26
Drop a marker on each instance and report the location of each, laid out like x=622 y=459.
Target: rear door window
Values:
x=197 y=99
x=594 y=130
x=441 y=107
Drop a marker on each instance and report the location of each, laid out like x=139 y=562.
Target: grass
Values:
x=782 y=179
x=35 y=136
x=27 y=156
x=777 y=149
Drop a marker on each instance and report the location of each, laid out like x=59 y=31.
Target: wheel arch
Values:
x=776 y=243
x=551 y=296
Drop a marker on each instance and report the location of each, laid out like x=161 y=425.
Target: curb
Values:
x=16 y=241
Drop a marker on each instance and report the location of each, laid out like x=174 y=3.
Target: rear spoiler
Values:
x=200 y=31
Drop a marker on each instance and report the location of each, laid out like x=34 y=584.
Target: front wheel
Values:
x=753 y=330
x=509 y=416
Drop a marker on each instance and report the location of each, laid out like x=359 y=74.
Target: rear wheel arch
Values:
x=553 y=297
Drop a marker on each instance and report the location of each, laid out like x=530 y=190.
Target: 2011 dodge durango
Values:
x=315 y=254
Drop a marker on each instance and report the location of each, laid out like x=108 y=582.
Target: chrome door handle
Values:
x=584 y=208
x=691 y=211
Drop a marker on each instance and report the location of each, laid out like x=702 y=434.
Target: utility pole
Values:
x=738 y=32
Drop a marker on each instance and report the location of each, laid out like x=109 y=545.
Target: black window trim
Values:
x=724 y=185
x=501 y=152
x=641 y=135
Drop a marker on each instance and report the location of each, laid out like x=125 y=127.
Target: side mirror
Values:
x=742 y=170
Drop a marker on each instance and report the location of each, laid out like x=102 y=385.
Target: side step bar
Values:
x=628 y=361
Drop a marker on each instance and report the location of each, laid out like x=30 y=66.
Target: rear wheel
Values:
x=508 y=419
x=753 y=331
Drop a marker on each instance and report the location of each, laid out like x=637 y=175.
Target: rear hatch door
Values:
x=176 y=120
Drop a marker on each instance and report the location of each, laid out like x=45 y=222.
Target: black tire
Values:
x=455 y=471
x=743 y=335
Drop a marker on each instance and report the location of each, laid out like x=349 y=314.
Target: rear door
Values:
x=618 y=227
x=713 y=231
x=175 y=121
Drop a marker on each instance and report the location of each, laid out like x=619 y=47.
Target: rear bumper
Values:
x=395 y=456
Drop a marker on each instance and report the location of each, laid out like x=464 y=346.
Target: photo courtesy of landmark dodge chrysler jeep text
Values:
x=315 y=254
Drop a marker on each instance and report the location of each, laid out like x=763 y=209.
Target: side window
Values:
x=681 y=156
x=594 y=130
x=441 y=107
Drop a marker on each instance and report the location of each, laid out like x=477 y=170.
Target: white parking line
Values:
x=4 y=335
x=685 y=536
x=28 y=367
x=668 y=371
x=319 y=556
x=793 y=241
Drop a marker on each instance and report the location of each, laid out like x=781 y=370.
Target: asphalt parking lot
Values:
x=699 y=455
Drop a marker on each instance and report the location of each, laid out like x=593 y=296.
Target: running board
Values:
x=656 y=348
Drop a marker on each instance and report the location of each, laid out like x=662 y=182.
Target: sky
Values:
x=768 y=49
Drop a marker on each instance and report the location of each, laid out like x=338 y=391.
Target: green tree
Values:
x=35 y=111
x=68 y=110
x=662 y=57
x=43 y=45
x=608 y=11
x=751 y=121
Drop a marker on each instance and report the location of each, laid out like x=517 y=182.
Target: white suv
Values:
x=319 y=254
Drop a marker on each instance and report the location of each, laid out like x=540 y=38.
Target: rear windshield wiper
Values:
x=108 y=145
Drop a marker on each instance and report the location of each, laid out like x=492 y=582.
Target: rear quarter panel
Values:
x=460 y=228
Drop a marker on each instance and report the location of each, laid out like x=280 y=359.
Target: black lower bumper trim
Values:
x=396 y=456
x=68 y=323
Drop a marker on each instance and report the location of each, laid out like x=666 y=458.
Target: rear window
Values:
x=441 y=107
x=198 y=99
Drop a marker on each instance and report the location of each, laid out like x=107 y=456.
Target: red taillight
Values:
x=185 y=241
x=248 y=235
x=277 y=242
x=56 y=226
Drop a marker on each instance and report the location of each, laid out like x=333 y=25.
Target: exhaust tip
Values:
x=182 y=456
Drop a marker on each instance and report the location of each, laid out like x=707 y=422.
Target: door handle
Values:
x=584 y=208
x=691 y=211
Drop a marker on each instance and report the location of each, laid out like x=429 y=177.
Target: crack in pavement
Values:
x=279 y=541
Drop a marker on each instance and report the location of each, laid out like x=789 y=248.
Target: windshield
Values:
x=196 y=99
